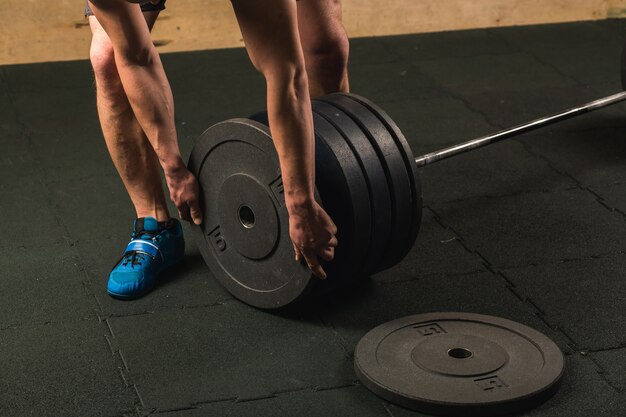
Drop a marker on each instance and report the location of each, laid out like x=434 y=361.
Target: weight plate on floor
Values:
x=374 y=174
x=458 y=364
x=390 y=155
x=409 y=162
x=244 y=237
x=342 y=188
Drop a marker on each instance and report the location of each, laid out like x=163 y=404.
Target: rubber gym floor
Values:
x=531 y=229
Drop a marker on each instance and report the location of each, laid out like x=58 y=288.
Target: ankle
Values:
x=159 y=215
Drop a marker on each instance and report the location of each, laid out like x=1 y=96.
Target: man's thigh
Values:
x=319 y=20
x=146 y=7
x=150 y=12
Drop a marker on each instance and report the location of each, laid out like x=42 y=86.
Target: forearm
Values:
x=289 y=111
x=151 y=99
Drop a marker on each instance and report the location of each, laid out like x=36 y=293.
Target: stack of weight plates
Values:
x=365 y=179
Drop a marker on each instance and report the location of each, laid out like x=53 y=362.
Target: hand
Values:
x=313 y=235
x=185 y=193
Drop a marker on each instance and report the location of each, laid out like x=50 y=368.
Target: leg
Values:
x=130 y=150
x=154 y=246
x=325 y=45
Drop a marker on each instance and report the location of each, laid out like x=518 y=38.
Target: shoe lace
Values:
x=135 y=258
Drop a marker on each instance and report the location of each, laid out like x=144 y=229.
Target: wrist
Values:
x=173 y=167
x=299 y=203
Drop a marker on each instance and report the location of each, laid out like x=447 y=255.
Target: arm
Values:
x=273 y=43
x=149 y=94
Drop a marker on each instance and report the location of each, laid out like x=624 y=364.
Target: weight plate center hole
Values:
x=246 y=217
x=460 y=353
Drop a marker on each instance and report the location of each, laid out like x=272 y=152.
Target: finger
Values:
x=313 y=264
x=327 y=254
x=298 y=255
x=196 y=212
x=183 y=212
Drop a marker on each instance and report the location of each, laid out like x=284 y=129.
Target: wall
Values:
x=36 y=31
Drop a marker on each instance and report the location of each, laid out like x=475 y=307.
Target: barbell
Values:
x=366 y=180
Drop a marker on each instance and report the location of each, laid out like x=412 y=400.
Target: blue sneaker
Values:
x=153 y=247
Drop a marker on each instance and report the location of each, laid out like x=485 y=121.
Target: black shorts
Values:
x=145 y=7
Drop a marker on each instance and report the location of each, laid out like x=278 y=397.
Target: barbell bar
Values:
x=366 y=179
x=482 y=141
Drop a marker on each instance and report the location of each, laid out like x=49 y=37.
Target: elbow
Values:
x=297 y=81
x=290 y=78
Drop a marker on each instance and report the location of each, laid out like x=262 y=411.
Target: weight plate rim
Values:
x=205 y=143
x=554 y=358
x=412 y=170
x=463 y=410
x=360 y=209
x=379 y=235
x=390 y=153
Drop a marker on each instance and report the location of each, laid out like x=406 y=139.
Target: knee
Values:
x=329 y=53
x=103 y=63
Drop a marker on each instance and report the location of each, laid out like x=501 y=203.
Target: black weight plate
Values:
x=376 y=180
x=244 y=237
x=458 y=364
x=390 y=154
x=342 y=189
x=409 y=162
